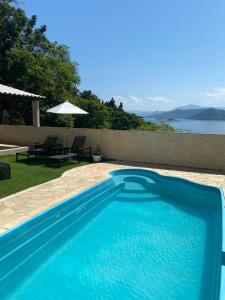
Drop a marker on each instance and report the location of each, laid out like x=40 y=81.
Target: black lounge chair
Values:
x=78 y=147
x=49 y=147
x=75 y=152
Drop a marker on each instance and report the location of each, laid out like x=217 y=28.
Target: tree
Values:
x=99 y=115
x=12 y=22
x=124 y=120
x=87 y=94
x=40 y=73
x=120 y=106
x=112 y=103
x=29 y=61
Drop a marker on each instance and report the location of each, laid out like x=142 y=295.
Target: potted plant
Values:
x=97 y=155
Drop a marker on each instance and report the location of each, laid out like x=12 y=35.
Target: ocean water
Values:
x=199 y=126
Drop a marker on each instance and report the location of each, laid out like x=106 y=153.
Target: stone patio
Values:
x=20 y=207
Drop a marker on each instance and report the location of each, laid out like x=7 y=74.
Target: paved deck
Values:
x=26 y=204
x=6 y=149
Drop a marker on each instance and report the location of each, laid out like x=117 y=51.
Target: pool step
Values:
x=139 y=188
x=139 y=193
x=34 y=225
x=138 y=197
x=65 y=220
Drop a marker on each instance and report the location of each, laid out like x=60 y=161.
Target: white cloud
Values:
x=161 y=100
x=150 y=103
x=120 y=99
x=161 y=103
x=214 y=98
x=131 y=102
x=217 y=94
x=136 y=100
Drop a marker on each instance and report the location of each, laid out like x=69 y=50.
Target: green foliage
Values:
x=148 y=126
x=39 y=73
x=97 y=151
x=124 y=120
x=111 y=103
x=99 y=115
x=109 y=115
x=120 y=106
x=89 y=95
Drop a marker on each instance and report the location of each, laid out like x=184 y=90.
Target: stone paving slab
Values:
x=20 y=207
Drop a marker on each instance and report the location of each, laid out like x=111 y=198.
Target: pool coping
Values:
x=23 y=205
x=31 y=188
x=70 y=170
x=111 y=174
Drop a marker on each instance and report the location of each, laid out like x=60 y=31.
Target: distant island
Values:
x=200 y=113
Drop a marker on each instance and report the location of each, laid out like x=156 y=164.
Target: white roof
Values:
x=7 y=90
x=67 y=108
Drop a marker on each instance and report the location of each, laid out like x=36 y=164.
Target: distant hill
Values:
x=149 y=114
x=193 y=114
x=210 y=114
x=176 y=114
x=190 y=106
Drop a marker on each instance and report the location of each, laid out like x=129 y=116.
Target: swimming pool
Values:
x=137 y=235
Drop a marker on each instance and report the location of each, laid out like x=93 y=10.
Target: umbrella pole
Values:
x=67 y=131
x=67 y=137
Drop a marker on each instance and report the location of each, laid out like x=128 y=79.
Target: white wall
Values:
x=181 y=149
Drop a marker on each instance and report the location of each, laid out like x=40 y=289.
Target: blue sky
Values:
x=150 y=54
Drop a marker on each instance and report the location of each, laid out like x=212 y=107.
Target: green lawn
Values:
x=25 y=174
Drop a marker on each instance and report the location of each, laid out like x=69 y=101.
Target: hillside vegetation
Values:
x=30 y=61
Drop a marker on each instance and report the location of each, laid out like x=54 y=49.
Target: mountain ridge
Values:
x=190 y=106
x=210 y=114
x=204 y=113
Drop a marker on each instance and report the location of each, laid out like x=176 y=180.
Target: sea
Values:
x=196 y=126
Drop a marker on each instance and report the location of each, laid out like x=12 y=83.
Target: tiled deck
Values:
x=26 y=204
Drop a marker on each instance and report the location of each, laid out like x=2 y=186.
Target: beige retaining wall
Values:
x=181 y=149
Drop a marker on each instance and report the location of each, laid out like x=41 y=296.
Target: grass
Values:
x=25 y=174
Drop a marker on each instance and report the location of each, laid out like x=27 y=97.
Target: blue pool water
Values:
x=136 y=236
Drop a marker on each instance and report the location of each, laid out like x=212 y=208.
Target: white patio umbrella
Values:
x=67 y=108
